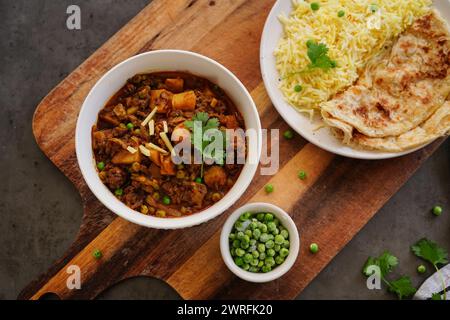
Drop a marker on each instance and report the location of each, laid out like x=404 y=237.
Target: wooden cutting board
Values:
x=330 y=207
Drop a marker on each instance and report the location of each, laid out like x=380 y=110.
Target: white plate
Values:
x=322 y=138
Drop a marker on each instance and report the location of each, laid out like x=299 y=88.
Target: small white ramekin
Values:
x=285 y=220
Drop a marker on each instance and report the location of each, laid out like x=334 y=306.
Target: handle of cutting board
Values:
x=84 y=266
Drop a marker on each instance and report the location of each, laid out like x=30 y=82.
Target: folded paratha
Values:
x=398 y=102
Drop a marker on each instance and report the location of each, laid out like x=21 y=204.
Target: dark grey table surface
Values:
x=41 y=210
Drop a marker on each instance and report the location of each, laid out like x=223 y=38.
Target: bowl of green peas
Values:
x=259 y=242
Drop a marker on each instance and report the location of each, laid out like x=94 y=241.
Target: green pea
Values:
x=286 y=244
x=239 y=261
x=236 y=243
x=246 y=266
x=118 y=192
x=315 y=6
x=298 y=88
x=260 y=216
x=261 y=247
x=302 y=175
x=253 y=269
x=245 y=216
x=437 y=210
x=166 y=200
x=233 y=252
x=269 y=188
x=279 y=260
x=252 y=242
x=270 y=244
x=284 y=233
x=248 y=258
x=256 y=234
x=266 y=269
x=277 y=248
x=240 y=252
x=263 y=228
x=268 y=217
x=269 y=261
x=275 y=231
x=262 y=256
x=260 y=264
x=264 y=237
x=341 y=13
x=253 y=225
x=284 y=252
x=271 y=236
x=421 y=269
x=245 y=245
x=255 y=254
x=238 y=225
x=270 y=253
x=248 y=233
x=288 y=135
x=254 y=262
x=245 y=238
x=276 y=221
x=279 y=239
x=101 y=166
x=232 y=236
x=271 y=226
x=97 y=254
x=130 y=126
x=240 y=235
x=314 y=248
x=198 y=180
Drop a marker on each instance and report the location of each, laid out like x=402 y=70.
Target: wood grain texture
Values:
x=330 y=207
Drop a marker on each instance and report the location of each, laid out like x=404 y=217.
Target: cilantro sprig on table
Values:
x=387 y=262
x=431 y=252
x=202 y=121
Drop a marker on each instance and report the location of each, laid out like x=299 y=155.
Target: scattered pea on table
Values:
x=288 y=135
x=437 y=210
x=269 y=188
x=421 y=269
x=302 y=175
x=97 y=254
x=314 y=248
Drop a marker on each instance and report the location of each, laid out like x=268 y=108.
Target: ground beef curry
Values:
x=132 y=142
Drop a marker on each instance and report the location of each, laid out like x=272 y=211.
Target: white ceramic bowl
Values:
x=301 y=123
x=285 y=220
x=165 y=60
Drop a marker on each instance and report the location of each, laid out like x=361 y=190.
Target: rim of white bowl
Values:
x=285 y=220
x=105 y=196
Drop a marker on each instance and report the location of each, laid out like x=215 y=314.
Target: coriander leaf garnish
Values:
x=202 y=121
x=318 y=54
x=436 y=296
x=387 y=262
x=402 y=287
x=430 y=251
